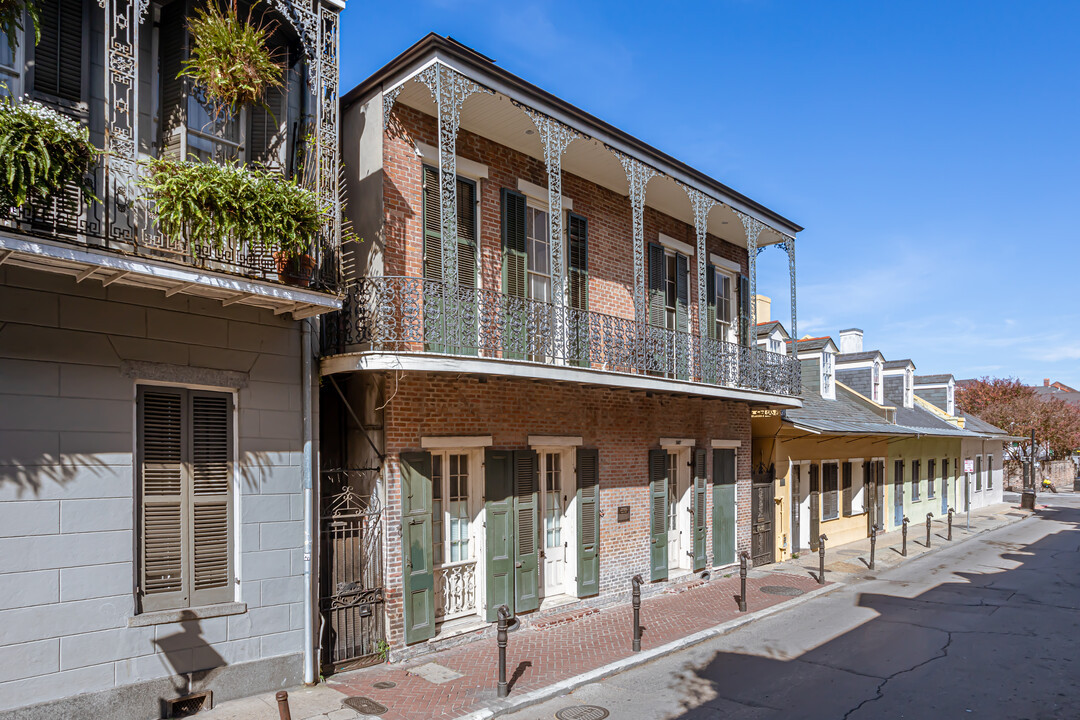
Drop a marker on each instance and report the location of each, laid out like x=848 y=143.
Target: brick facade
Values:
x=622 y=424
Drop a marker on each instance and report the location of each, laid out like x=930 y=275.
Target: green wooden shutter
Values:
x=656 y=286
x=499 y=530
x=578 y=247
x=682 y=316
x=527 y=532
x=432 y=217
x=211 y=508
x=588 y=521
x=418 y=573
x=815 y=506
x=515 y=340
x=710 y=295
x=162 y=435
x=173 y=47
x=846 y=491
x=58 y=57
x=700 y=512
x=744 y=311
x=724 y=485
x=466 y=216
x=658 y=536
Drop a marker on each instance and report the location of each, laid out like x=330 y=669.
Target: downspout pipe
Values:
x=310 y=517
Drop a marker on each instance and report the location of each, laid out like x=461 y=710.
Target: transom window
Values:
x=538 y=247
x=450 y=507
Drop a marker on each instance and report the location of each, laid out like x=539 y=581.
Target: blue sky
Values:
x=931 y=149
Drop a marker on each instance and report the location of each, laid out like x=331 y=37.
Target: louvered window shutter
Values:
x=432 y=216
x=267 y=139
x=578 y=241
x=815 y=506
x=682 y=293
x=173 y=51
x=657 y=312
x=526 y=554
x=700 y=510
x=710 y=295
x=161 y=439
x=466 y=218
x=588 y=497
x=744 y=311
x=724 y=523
x=418 y=573
x=211 y=468
x=847 y=489
x=58 y=58
x=513 y=237
x=658 y=551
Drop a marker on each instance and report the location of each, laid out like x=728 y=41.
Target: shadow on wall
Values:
x=999 y=644
x=191 y=658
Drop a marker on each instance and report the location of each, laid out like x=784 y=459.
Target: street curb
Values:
x=501 y=707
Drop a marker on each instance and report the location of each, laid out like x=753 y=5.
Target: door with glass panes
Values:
x=455 y=532
x=678 y=482
x=556 y=487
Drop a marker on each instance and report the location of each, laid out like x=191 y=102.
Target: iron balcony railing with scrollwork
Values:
x=416 y=315
x=115 y=222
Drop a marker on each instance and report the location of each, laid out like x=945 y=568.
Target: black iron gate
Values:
x=762 y=525
x=351 y=574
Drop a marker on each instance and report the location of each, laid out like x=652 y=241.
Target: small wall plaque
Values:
x=624 y=513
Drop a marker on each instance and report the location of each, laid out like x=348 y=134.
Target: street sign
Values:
x=969 y=465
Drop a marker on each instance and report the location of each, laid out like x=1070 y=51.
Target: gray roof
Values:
x=932 y=379
x=890 y=364
x=766 y=328
x=858 y=357
x=927 y=423
x=1046 y=393
x=981 y=427
x=812 y=344
x=844 y=415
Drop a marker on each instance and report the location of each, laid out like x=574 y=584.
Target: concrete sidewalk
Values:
x=553 y=659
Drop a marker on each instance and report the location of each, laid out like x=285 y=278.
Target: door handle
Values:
x=517 y=565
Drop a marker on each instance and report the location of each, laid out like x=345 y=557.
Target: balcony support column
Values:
x=324 y=67
x=122 y=21
x=638 y=175
x=789 y=246
x=702 y=205
x=753 y=228
x=450 y=90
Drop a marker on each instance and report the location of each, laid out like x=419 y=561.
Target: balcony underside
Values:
x=110 y=267
x=527 y=370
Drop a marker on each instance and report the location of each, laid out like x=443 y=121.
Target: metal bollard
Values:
x=743 y=557
x=504 y=619
x=283 y=705
x=873 y=544
x=928 y=516
x=636 y=602
x=821 y=559
x=950 y=524
x=903 y=548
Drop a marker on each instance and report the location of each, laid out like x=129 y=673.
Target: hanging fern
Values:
x=230 y=60
x=41 y=153
x=217 y=206
x=11 y=20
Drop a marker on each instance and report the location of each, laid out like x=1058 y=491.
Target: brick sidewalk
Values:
x=538 y=657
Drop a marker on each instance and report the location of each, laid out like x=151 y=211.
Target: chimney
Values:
x=1046 y=382
x=850 y=341
x=763 y=307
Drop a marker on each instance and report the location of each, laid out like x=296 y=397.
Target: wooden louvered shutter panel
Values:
x=724 y=523
x=432 y=216
x=161 y=438
x=658 y=539
x=211 y=469
x=578 y=241
x=513 y=236
x=58 y=58
x=173 y=50
x=268 y=128
x=710 y=296
x=588 y=504
x=466 y=217
x=682 y=293
x=847 y=489
x=418 y=573
x=656 y=285
x=498 y=530
x=700 y=510
x=527 y=553
x=815 y=506
x=744 y=311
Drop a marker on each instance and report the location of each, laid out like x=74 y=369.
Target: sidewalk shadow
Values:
x=518 y=672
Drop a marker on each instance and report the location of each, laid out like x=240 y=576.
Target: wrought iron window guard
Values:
x=416 y=315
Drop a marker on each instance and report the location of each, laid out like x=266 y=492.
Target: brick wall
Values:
x=624 y=425
x=611 y=256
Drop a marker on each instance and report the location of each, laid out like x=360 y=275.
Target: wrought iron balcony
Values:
x=415 y=315
x=116 y=223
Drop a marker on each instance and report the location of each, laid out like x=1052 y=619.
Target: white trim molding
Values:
x=555 y=441
x=724 y=263
x=455 y=441
x=667 y=442
x=726 y=443
x=540 y=194
x=677 y=245
x=465 y=167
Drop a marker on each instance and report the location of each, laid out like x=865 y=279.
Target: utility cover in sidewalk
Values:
x=364 y=705
x=384 y=685
x=582 y=712
x=781 y=590
x=435 y=673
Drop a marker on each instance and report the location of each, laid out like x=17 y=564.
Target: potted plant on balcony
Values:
x=229 y=209
x=41 y=153
x=11 y=19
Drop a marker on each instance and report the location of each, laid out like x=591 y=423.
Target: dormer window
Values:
x=876 y=388
x=909 y=388
x=828 y=391
x=776 y=345
x=951 y=400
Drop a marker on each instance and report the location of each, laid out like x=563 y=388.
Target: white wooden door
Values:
x=554 y=472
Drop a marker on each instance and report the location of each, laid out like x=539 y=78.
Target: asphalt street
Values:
x=987 y=628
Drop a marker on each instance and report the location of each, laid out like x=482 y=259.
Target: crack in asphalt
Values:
x=880 y=691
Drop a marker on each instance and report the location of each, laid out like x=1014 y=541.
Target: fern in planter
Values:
x=230 y=59
x=41 y=152
x=218 y=206
x=11 y=20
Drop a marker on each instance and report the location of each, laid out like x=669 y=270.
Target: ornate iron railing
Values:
x=415 y=315
x=118 y=223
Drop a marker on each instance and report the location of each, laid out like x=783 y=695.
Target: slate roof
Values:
x=981 y=427
x=892 y=364
x=766 y=328
x=844 y=415
x=927 y=423
x=932 y=379
x=857 y=357
x=812 y=344
x=1047 y=393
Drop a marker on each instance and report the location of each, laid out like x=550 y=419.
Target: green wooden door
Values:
x=419 y=576
x=658 y=536
x=588 y=522
x=700 y=516
x=815 y=506
x=723 y=506
x=499 y=530
x=526 y=532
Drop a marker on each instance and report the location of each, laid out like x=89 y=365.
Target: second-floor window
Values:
x=718 y=293
x=538 y=246
x=467 y=230
x=58 y=58
x=669 y=289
